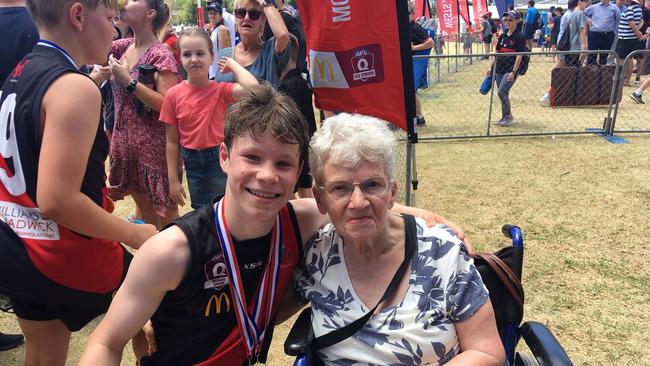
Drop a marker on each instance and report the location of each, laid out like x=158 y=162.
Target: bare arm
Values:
x=70 y=112
x=423 y=46
x=480 y=344
x=172 y=147
x=276 y=23
x=224 y=37
x=244 y=78
x=163 y=80
x=158 y=267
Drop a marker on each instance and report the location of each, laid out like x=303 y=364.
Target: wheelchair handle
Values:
x=513 y=232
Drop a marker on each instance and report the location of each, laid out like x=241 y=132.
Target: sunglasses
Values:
x=374 y=186
x=253 y=14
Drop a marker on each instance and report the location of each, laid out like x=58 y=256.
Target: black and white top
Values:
x=444 y=288
x=632 y=13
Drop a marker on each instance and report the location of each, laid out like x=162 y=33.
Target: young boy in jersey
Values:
x=60 y=257
x=212 y=282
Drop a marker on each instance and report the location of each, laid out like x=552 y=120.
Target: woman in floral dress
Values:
x=138 y=165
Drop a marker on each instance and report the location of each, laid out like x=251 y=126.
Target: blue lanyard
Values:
x=50 y=44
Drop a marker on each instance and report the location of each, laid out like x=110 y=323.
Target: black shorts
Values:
x=626 y=46
x=36 y=297
x=487 y=39
x=74 y=317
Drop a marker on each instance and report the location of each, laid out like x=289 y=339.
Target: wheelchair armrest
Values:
x=544 y=345
x=300 y=336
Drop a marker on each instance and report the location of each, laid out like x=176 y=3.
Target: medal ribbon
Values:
x=252 y=328
x=51 y=44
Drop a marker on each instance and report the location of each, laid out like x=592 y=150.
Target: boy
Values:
x=202 y=273
x=60 y=259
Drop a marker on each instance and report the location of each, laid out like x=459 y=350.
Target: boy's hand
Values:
x=139 y=234
x=151 y=338
x=177 y=192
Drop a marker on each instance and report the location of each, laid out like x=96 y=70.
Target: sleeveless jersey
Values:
x=33 y=247
x=195 y=324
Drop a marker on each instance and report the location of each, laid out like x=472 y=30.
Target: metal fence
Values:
x=628 y=115
x=454 y=108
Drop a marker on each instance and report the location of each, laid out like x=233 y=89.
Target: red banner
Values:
x=463 y=9
x=480 y=8
x=200 y=17
x=355 y=58
x=448 y=16
x=422 y=9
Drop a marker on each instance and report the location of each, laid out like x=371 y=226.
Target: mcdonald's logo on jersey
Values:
x=218 y=303
x=325 y=70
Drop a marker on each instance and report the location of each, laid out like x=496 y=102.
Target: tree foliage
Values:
x=184 y=11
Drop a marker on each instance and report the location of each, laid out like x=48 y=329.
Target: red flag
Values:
x=422 y=9
x=355 y=57
x=448 y=15
x=463 y=9
x=200 y=16
x=480 y=8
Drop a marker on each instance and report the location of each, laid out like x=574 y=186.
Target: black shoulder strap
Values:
x=345 y=332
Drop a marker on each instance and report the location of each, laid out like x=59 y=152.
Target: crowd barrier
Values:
x=596 y=102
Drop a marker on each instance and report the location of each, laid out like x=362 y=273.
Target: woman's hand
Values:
x=120 y=69
x=511 y=76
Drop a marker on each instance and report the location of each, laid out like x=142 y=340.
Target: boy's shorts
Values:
x=38 y=298
x=74 y=317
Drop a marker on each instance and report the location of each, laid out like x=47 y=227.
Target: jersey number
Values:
x=14 y=183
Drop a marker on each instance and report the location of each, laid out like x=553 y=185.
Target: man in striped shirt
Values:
x=629 y=35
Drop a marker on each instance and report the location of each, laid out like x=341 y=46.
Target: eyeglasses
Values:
x=253 y=14
x=374 y=186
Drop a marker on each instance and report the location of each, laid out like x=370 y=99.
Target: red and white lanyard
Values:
x=252 y=326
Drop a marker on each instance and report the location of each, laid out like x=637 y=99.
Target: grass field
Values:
x=583 y=204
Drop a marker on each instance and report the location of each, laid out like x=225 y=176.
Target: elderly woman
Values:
x=264 y=59
x=440 y=312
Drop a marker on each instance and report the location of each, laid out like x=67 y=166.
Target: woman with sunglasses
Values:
x=506 y=69
x=138 y=162
x=264 y=59
x=440 y=311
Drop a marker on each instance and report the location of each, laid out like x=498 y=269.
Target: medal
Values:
x=252 y=325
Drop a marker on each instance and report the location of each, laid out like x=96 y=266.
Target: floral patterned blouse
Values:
x=444 y=288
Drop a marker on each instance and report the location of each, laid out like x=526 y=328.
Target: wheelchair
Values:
x=508 y=310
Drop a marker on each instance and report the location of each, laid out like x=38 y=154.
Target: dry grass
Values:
x=584 y=206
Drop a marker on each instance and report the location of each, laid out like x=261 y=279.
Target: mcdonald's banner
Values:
x=448 y=16
x=463 y=10
x=355 y=58
x=422 y=9
x=480 y=8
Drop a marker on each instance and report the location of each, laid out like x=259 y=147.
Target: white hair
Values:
x=349 y=140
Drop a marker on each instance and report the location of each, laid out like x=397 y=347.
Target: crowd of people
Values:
x=621 y=26
x=229 y=109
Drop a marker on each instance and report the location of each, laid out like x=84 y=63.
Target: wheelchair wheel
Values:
x=525 y=359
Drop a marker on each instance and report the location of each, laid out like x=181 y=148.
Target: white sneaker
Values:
x=545 y=100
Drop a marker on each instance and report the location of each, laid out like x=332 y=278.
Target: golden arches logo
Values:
x=217 y=300
x=321 y=64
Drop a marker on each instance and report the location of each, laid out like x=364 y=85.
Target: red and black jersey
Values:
x=33 y=248
x=513 y=43
x=195 y=324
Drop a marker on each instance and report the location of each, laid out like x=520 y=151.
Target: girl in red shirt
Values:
x=193 y=112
